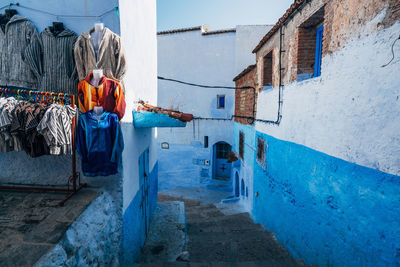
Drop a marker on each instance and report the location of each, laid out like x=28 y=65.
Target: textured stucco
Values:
x=136 y=23
x=326 y=210
x=244 y=167
x=84 y=244
x=351 y=111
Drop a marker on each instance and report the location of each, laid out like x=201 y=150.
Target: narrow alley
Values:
x=199 y=133
x=215 y=234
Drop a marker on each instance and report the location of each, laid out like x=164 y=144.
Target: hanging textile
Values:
x=55 y=127
x=34 y=127
x=51 y=59
x=17 y=35
x=108 y=94
x=111 y=55
x=100 y=143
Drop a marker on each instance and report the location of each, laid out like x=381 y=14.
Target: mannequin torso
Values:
x=97 y=74
x=96 y=36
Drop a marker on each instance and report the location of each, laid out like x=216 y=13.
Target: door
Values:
x=221 y=166
x=144 y=187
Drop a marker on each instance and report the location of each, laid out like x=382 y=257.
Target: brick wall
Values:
x=244 y=99
x=305 y=50
x=343 y=20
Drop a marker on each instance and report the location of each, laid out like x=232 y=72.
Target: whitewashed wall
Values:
x=352 y=110
x=247 y=37
x=138 y=33
x=202 y=59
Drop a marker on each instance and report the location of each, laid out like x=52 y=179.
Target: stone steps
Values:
x=216 y=239
x=265 y=263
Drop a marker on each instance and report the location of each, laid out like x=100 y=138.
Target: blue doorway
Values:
x=221 y=167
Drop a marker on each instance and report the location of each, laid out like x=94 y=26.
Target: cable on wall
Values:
x=251 y=120
x=392 y=53
x=115 y=9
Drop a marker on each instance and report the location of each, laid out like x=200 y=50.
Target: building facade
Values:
x=195 y=155
x=320 y=161
x=112 y=229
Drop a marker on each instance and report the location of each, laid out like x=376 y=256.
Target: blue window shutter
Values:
x=318 y=51
x=221 y=101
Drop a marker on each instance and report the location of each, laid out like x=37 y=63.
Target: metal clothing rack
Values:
x=74 y=181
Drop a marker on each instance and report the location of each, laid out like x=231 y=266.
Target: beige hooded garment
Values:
x=111 y=55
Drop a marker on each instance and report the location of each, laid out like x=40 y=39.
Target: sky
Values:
x=219 y=14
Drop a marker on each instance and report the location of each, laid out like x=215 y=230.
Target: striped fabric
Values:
x=17 y=35
x=55 y=126
x=51 y=59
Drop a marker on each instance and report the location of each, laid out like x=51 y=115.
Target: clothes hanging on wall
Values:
x=111 y=55
x=51 y=59
x=108 y=94
x=37 y=128
x=100 y=143
x=55 y=126
x=25 y=118
x=17 y=35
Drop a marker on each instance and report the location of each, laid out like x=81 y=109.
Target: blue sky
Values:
x=219 y=14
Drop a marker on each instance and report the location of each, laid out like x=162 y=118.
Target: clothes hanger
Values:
x=60 y=99
x=30 y=96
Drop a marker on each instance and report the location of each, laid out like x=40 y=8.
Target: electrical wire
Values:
x=392 y=53
x=58 y=15
x=205 y=86
x=250 y=120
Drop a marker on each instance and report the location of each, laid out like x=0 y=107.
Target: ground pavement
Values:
x=217 y=235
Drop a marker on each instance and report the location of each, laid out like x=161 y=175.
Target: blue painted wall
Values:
x=244 y=167
x=184 y=166
x=326 y=210
x=134 y=221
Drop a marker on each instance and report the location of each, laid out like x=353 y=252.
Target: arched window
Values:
x=242 y=188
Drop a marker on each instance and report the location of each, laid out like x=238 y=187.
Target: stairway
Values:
x=216 y=239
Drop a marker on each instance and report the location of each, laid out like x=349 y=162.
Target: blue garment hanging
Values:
x=99 y=143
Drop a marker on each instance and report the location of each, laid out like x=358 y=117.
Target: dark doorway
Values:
x=221 y=167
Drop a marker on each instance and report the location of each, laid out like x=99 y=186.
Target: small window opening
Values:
x=309 y=46
x=206 y=141
x=242 y=188
x=261 y=145
x=267 y=71
x=220 y=101
x=241 y=145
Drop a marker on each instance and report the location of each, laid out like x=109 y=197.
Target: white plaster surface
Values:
x=138 y=33
x=247 y=37
x=92 y=240
x=352 y=110
x=202 y=59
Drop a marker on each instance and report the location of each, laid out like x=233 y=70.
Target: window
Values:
x=241 y=144
x=206 y=141
x=261 y=149
x=318 y=51
x=222 y=150
x=220 y=101
x=267 y=71
x=309 y=46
